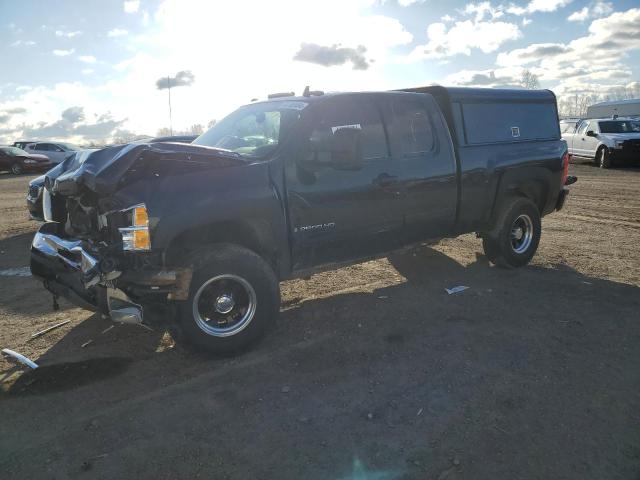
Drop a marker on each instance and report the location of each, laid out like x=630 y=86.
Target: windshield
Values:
x=253 y=130
x=70 y=147
x=15 y=151
x=620 y=126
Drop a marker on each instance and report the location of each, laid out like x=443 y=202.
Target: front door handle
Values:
x=385 y=180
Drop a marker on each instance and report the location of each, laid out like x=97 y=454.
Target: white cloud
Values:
x=117 y=32
x=508 y=77
x=579 y=16
x=483 y=10
x=63 y=53
x=131 y=6
x=66 y=34
x=595 y=10
x=463 y=37
x=180 y=36
x=447 y=18
x=591 y=60
x=87 y=58
x=538 y=6
x=526 y=21
x=26 y=43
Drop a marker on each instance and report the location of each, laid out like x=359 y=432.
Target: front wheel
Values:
x=234 y=299
x=16 y=168
x=514 y=238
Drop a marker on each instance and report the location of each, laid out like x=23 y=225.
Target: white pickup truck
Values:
x=606 y=140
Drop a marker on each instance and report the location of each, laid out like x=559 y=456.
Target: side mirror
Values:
x=591 y=133
x=346 y=151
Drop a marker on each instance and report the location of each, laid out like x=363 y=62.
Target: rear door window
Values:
x=411 y=126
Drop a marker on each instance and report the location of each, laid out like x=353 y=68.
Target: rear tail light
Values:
x=565 y=168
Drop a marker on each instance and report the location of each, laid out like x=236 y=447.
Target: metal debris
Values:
x=47 y=330
x=452 y=290
x=107 y=329
x=20 y=358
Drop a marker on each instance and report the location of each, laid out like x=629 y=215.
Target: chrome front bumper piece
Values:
x=69 y=270
x=70 y=253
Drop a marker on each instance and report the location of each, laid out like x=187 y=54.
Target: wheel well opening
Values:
x=223 y=232
x=534 y=191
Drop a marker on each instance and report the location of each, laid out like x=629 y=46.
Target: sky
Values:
x=93 y=70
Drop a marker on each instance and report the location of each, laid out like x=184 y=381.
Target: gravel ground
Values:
x=373 y=371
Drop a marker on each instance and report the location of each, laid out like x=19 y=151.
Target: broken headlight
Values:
x=136 y=237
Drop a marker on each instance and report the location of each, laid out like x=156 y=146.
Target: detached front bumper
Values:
x=70 y=269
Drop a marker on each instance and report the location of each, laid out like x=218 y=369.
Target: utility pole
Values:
x=170 y=120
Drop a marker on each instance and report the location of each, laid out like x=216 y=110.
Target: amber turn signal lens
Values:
x=140 y=217
x=141 y=240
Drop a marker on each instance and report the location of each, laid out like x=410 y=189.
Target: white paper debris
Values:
x=459 y=288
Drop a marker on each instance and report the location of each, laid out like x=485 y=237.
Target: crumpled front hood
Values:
x=105 y=171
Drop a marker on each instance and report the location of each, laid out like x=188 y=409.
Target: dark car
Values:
x=34 y=198
x=198 y=236
x=18 y=161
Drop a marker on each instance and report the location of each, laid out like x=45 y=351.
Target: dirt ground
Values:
x=373 y=372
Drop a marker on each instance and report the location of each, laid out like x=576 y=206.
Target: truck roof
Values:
x=486 y=94
x=462 y=94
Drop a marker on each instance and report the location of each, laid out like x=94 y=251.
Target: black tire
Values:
x=16 y=168
x=220 y=270
x=513 y=240
x=603 y=157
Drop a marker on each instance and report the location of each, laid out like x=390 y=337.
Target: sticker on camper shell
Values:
x=515 y=132
x=355 y=126
x=293 y=105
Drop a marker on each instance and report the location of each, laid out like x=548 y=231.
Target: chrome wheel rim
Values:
x=521 y=234
x=224 y=305
x=16 y=169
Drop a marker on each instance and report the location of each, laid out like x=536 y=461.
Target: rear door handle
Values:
x=385 y=180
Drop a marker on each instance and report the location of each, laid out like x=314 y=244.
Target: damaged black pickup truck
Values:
x=197 y=237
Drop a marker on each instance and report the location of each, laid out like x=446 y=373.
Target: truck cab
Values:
x=198 y=236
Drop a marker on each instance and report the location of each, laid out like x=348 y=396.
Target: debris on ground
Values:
x=16 y=272
x=47 y=330
x=86 y=343
x=107 y=329
x=20 y=358
x=459 y=288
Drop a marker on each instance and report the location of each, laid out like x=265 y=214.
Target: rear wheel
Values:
x=16 y=168
x=603 y=157
x=234 y=299
x=514 y=238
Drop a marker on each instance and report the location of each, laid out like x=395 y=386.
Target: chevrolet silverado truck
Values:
x=608 y=141
x=197 y=237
